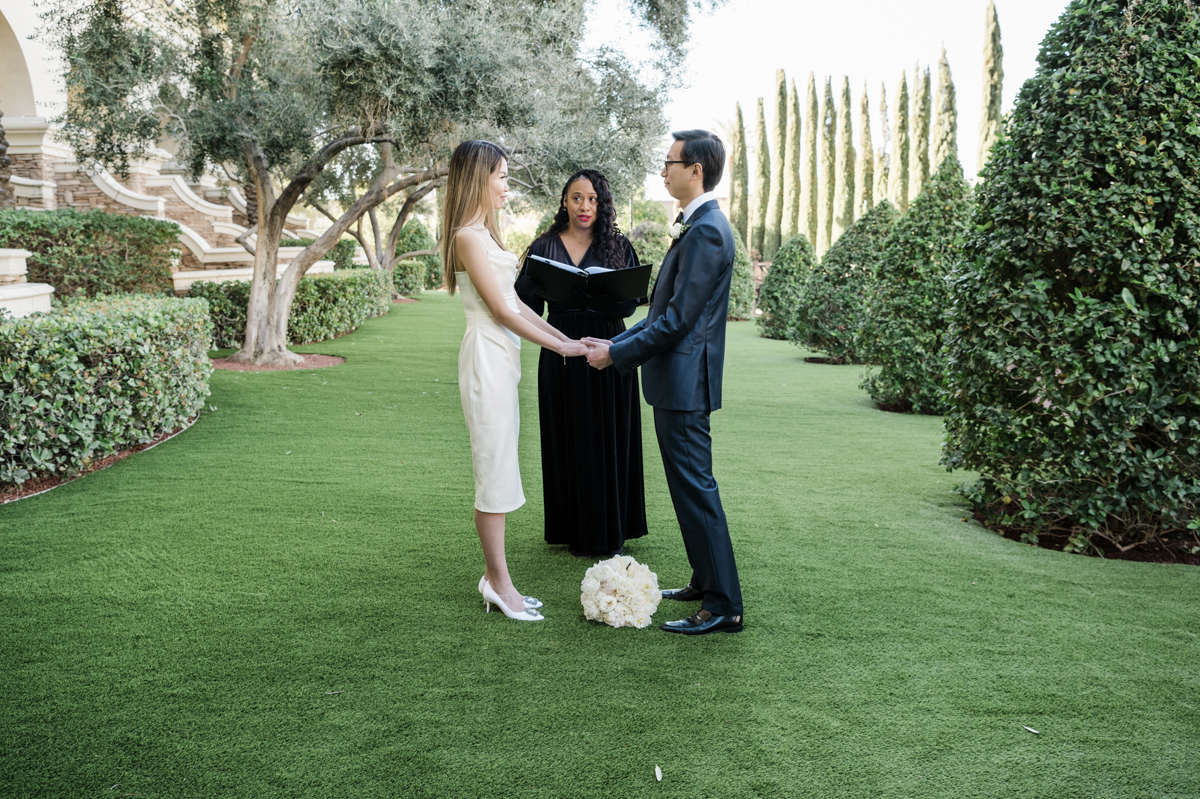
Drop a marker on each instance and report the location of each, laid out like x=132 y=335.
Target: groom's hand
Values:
x=597 y=354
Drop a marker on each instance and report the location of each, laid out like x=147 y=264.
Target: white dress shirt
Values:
x=696 y=203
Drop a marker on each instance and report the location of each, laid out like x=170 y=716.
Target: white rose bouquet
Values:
x=620 y=592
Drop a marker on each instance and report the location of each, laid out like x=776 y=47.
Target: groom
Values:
x=681 y=348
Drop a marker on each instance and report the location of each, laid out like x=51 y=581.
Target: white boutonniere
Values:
x=676 y=230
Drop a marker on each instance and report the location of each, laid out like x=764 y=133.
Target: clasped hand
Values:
x=596 y=350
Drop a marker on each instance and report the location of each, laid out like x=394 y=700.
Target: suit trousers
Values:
x=686 y=446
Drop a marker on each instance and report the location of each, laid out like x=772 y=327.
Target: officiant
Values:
x=590 y=419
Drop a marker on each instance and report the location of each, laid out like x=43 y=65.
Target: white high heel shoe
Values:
x=490 y=596
x=530 y=601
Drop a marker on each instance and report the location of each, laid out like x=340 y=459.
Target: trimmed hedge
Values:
x=904 y=316
x=1074 y=364
x=97 y=377
x=779 y=295
x=408 y=277
x=93 y=252
x=415 y=236
x=741 y=287
x=325 y=305
x=830 y=310
x=342 y=253
x=650 y=242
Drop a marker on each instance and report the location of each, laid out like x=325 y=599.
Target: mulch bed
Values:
x=311 y=361
x=1169 y=552
x=830 y=361
x=37 y=485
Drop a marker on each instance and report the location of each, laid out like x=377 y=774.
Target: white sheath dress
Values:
x=489 y=370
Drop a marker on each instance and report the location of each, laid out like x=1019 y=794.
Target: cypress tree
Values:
x=864 y=179
x=1073 y=368
x=907 y=298
x=739 y=179
x=762 y=184
x=883 y=156
x=791 y=169
x=945 y=138
x=828 y=169
x=918 y=162
x=993 y=85
x=808 y=167
x=778 y=143
x=843 y=210
x=898 y=172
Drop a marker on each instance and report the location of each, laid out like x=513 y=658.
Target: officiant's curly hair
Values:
x=606 y=234
x=466 y=192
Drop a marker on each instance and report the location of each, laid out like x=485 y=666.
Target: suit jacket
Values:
x=680 y=345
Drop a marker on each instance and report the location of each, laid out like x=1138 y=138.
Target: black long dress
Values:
x=591 y=424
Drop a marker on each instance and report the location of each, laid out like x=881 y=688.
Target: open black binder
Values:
x=564 y=283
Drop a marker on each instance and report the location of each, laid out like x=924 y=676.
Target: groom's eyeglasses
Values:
x=667 y=164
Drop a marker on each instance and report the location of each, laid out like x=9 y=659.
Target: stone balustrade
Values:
x=17 y=295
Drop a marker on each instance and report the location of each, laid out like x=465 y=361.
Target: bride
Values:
x=489 y=361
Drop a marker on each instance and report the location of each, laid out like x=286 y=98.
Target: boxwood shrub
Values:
x=1074 y=362
x=408 y=277
x=96 y=377
x=741 y=288
x=415 y=236
x=325 y=306
x=342 y=253
x=904 y=316
x=779 y=295
x=93 y=252
x=829 y=313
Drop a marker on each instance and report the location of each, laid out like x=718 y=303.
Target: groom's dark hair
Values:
x=703 y=148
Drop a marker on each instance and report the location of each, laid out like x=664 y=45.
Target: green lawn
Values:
x=281 y=602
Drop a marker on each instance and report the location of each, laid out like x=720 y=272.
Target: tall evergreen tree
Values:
x=883 y=157
x=945 y=137
x=828 y=168
x=809 y=186
x=762 y=184
x=864 y=178
x=739 y=179
x=778 y=145
x=898 y=174
x=922 y=114
x=993 y=86
x=843 y=202
x=791 y=169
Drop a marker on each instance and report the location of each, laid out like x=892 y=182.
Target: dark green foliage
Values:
x=779 y=296
x=326 y=305
x=830 y=307
x=415 y=237
x=741 y=288
x=904 y=317
x=93 y=252
x=97 y=377
x=342 y=253
x=650 y=242
x=408 y=277
x=1073 y=364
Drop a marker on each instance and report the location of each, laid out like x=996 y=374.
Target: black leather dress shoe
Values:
x=685 y=594
x=704 y=623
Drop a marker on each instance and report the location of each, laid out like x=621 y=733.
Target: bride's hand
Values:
x=573 y=349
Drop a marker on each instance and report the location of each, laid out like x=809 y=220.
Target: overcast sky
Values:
x=735 y=50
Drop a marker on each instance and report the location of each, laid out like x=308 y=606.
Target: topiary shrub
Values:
x=408 y=277
x=779 y=295
x=96 y=377
x=325 y=306
x=342 y=253
x=650 y=242
x=93 y=252
x=829 y=312
x=414 y=236
x=904 y=316
x=741 y=288
x=1074 y=362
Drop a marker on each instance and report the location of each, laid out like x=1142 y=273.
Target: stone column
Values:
x=7 y=200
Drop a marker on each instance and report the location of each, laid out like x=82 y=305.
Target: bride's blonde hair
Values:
x=467 y=193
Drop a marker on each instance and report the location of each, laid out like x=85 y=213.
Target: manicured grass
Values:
x=281 y=602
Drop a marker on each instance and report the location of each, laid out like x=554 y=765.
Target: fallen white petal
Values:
x=1031 y=729
x=658 y=773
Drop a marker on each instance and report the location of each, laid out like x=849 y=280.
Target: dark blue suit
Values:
x=680 y=347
